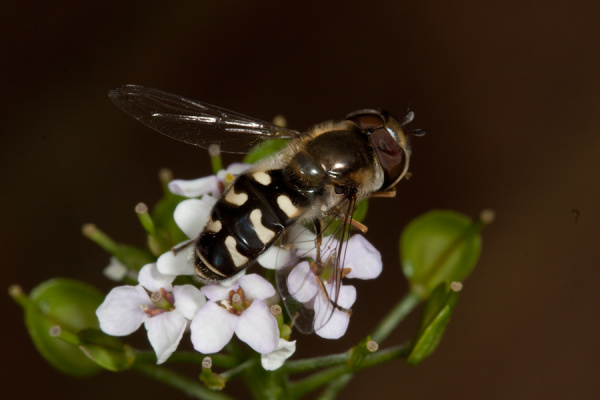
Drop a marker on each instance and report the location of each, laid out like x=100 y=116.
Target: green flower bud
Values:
x=63 y=307
x=133 y=257
x=107 y=351
x=210 y=379
x=440 y=246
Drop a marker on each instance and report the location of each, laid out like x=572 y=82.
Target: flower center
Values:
x=163 y=302
x=237 y=302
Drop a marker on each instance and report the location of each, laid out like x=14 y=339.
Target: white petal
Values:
x=191 y=215
x=233 y=169
x=196 y=187
x=363 y=259
x=170 y=263
x=277 y=357
x=256 y=287
x=152 y=280
x=115 y=270
x=301 y=283
x=164 y=332
x=212 y=328
x=258 y=328
x=229 y=282
x=336 y=326
x=216 y=292
x=120 y=313
x=347 y=295
x=188 y=300
x=274 y=257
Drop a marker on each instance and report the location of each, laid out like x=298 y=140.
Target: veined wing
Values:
x=193 y=122
x=310 y=285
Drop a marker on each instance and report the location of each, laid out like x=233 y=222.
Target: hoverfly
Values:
x=316 y=180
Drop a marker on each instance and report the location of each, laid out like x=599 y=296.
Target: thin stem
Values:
x=309 y=364
x=335 y=387
x=235 y=371
x=319 y=379
x=389 y=322
x=173 y=379
x=219 y=360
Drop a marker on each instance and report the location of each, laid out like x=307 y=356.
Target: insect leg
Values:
x=385 y=193
x=182 y=246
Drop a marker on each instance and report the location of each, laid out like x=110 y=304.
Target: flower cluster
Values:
x=241 y=305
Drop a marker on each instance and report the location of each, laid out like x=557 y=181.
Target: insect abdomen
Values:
x=251 y=215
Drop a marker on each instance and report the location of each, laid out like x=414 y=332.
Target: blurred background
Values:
x=509 y=93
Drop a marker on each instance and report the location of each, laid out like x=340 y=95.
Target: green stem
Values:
x=389 y=322
x=302 y=387
x=335 y=387
x=191 y=357
x=235 y=371
x=173 y=379
x=309 y=364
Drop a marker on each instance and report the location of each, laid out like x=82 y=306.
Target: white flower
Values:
x=191 y=216
x=213 y=184
x=238 y=309
x=275 y=359
x=164 y=309
x=115 y=270
x=362 y=261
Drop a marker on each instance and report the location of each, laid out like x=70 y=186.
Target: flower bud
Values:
x=107 y=351
x=63 y=307
x=440 y=246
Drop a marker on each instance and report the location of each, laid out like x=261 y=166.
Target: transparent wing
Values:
x=310 y=284
x=194 y=122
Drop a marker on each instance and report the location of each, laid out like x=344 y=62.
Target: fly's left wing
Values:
x=193 y=122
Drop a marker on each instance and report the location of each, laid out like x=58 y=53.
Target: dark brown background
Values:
x=508 y=91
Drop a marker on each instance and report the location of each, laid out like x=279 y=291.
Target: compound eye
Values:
x=390 y=156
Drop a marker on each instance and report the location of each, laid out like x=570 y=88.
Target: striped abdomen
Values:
x=251 y=215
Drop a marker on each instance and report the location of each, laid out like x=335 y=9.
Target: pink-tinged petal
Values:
x=363 y=259
x=164 y=332
x=301 y=283
x=274 y=257
x=121 y=311
x=258 y=328
x=329 y=245
x=212 y=328
x=217 y=292
x=336 y=326
x=152 y=280
x=191 y=215
x=233 y=169
x=275 y=359
x=195 y=187
x=329 y=320
x=170 y=263
x=256 y=287
x=347 y=295
x=188 y=300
